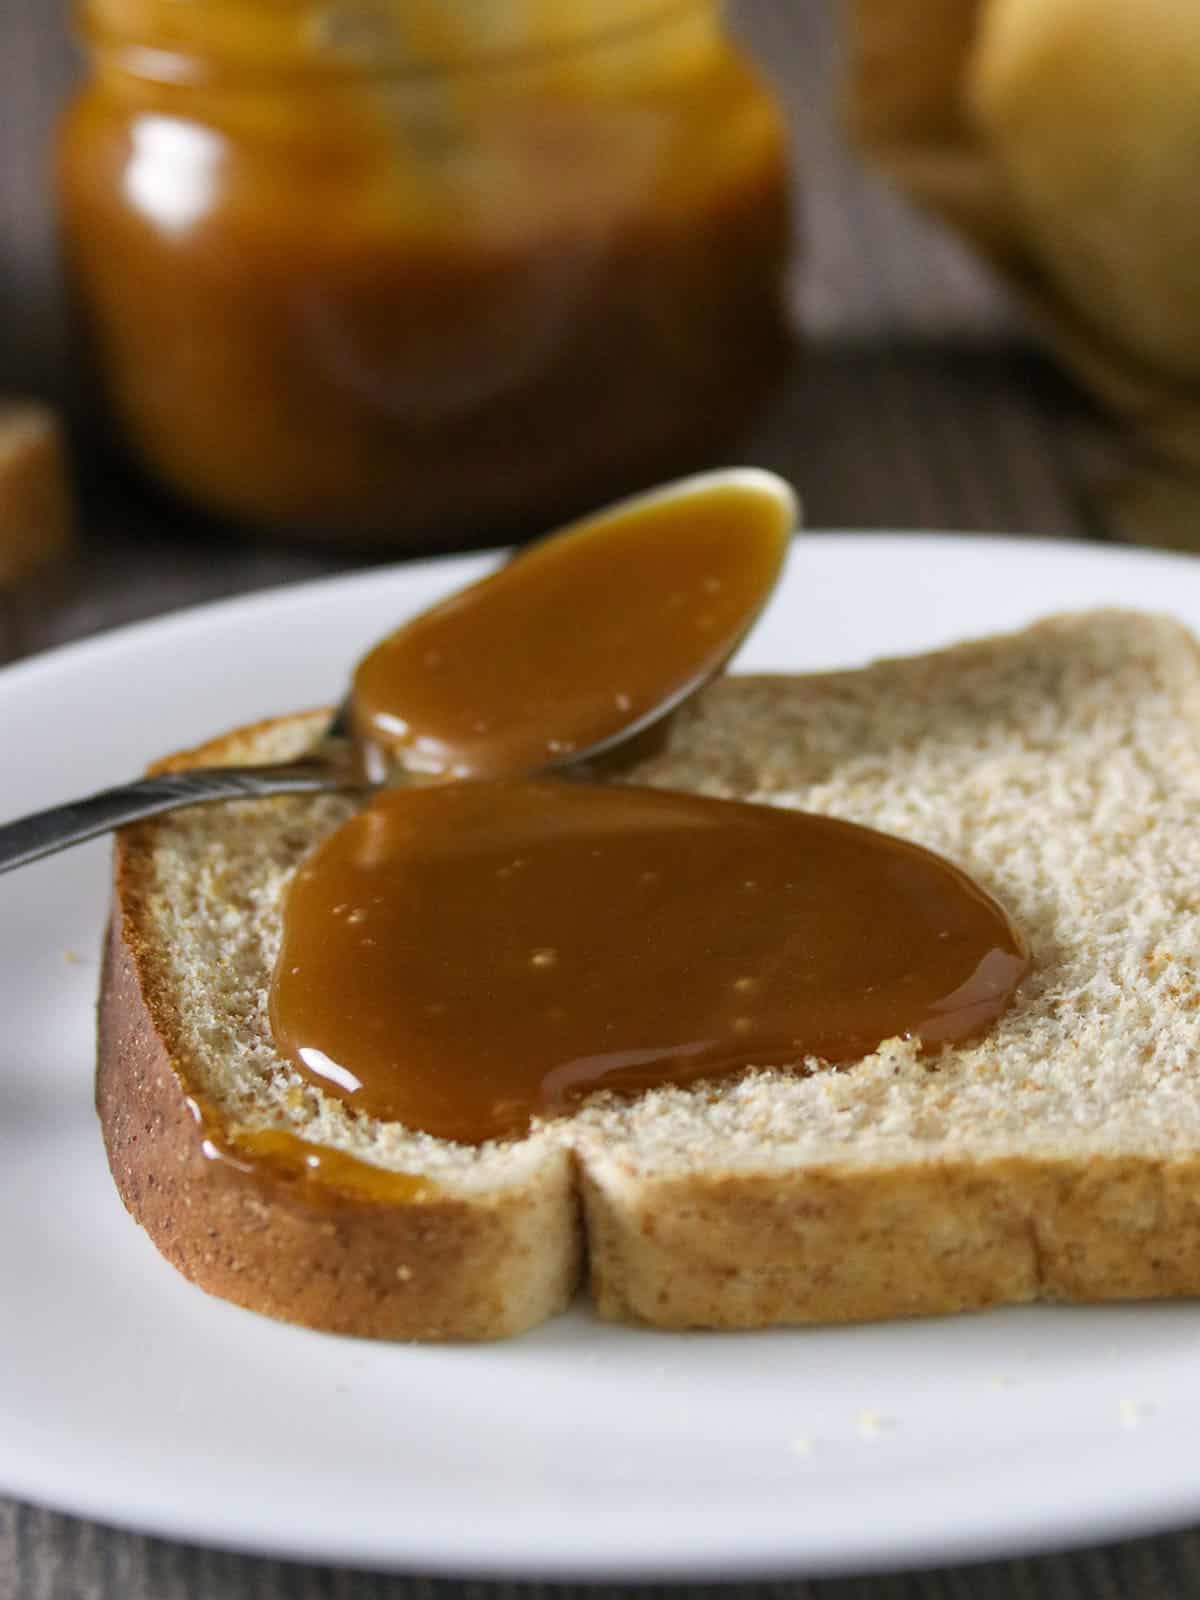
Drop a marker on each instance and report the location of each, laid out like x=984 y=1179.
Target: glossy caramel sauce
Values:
x=463 y=958
x=580 y=638
x=323 y=1174
x=292 y=1157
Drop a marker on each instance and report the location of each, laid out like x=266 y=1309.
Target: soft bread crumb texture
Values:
x=1058 y=1156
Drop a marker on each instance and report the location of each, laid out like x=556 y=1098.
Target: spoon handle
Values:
x=45 y=832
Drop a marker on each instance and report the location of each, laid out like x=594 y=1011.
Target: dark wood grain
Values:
x=36 y=65
x=916 y=401
x=44 y=1556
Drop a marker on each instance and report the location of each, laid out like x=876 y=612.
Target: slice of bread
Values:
x=1057 y=1158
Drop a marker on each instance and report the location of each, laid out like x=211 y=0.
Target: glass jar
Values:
x=408 y=273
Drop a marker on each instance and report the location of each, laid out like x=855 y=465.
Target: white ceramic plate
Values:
x=581 y=1450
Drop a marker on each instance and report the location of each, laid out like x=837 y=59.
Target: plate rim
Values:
x=888 y=1553
x=194 y=614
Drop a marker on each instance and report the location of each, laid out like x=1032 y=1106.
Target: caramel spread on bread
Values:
x=467 y=957
x=1056 y=1157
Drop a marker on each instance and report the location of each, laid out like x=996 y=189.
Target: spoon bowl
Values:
x=582 y=642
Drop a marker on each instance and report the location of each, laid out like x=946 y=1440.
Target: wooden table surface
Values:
x=918 y=402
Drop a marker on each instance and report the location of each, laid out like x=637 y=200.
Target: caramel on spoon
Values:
x=581 y=641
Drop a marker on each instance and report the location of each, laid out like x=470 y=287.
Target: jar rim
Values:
x=316 y=36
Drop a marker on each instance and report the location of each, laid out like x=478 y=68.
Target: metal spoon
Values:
x=337 y=762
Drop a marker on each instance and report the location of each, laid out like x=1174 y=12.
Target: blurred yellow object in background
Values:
x=1062 y=138
x=1093 y=110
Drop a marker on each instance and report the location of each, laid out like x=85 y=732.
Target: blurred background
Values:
x=928 y=378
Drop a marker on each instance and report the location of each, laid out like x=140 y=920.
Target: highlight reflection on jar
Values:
x=365 y=273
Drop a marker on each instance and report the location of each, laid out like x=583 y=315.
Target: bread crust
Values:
x=442 y=1267
x=818 y=1245
x=831 y=1245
